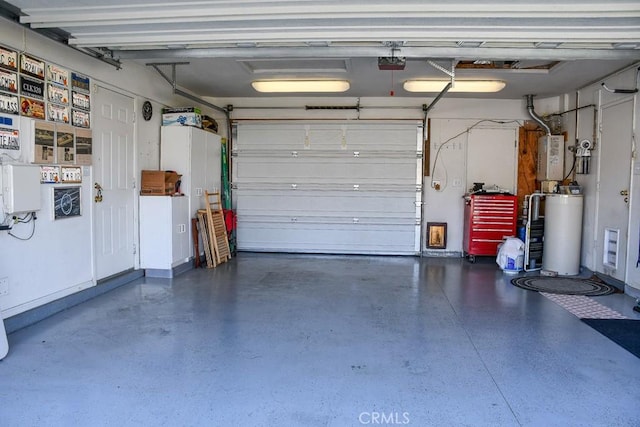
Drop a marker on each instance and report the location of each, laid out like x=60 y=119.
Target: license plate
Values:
x=9 y=104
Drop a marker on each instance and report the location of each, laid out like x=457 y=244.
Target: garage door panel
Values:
x=295 y=203
x=295 y=170
x=324 y=137
x=385 y=139
x=336 y=238
x=276 y=138
x=328 y=188
x=331 y=221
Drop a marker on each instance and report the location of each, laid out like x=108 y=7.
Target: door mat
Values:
x=564 y=285
x=624 y=332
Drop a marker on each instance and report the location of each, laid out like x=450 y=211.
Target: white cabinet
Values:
x=164 y=233
x=195 y=154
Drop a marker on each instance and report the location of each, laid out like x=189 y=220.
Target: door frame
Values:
x=96 y=87
x=598 y=238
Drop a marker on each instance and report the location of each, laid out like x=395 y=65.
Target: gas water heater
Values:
x=562 y=233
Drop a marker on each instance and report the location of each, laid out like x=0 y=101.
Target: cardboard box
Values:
x=159 y=183
x=209 y=123
x=186 y=116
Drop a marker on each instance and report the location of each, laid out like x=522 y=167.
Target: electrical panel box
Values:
x=551 y=158
x=20 y=188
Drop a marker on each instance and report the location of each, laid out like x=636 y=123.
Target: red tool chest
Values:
x=488 y=218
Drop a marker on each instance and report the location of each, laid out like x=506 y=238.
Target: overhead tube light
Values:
x=295 y=86
x=458 y=85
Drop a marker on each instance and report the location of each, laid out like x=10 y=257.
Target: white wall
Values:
x=495 y=161
x=587 y=128
x=58 y=260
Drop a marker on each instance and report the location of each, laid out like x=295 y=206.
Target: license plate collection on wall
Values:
x=58 y=98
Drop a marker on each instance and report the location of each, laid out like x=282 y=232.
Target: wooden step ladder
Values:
x=213 y=230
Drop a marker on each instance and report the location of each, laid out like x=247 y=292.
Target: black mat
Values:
x=624 y=332
x=591 y=287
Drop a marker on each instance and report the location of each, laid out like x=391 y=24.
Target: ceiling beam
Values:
x=224 y=11
x=406 y=33
x=498 y=54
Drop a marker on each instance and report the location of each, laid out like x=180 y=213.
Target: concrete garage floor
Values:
x=296 y=340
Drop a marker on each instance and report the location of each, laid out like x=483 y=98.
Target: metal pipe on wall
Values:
x=534 y=116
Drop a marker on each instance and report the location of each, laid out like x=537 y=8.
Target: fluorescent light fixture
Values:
x=293 y=86
x=436 y=86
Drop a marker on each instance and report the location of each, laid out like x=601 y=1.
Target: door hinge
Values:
x=135 y=249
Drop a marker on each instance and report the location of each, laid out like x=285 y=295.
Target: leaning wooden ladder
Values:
x=214 y=233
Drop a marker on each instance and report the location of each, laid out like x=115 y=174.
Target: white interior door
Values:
x=614 y=180
x=113 y=131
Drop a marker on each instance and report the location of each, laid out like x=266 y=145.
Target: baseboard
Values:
x=34 y=315
x=632 y=292
x=611 y=281
x=169 y=273
x=442 y=254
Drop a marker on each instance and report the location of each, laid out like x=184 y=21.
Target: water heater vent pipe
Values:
x=535 y=117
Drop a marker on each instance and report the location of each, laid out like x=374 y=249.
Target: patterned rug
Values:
x=564 y=285
x=583 y=307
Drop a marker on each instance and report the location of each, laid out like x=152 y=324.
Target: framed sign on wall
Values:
x=437 y=235
x=66 y=202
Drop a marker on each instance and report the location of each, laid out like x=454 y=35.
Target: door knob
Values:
x=624 y=192
x=98 y=188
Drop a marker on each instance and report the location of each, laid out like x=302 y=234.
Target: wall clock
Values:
x=147 y=111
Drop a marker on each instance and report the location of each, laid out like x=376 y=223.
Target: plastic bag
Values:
x=510 y=256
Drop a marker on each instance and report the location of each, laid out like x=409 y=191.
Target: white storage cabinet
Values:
x=195 y=154
x=164 y=234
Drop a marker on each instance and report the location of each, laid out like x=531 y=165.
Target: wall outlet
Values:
x=457 y=182
x=4 y=286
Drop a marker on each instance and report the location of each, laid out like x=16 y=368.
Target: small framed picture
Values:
x=436 y=235
x=66 y=202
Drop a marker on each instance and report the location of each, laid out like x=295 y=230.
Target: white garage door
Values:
x=328 y=188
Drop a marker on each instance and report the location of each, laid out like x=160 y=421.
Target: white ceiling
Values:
x=224 y=45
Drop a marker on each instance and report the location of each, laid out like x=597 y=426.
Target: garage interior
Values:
x=340 y=305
